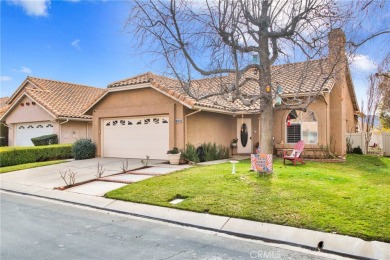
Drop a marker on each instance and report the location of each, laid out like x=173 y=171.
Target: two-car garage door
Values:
x=136 y=137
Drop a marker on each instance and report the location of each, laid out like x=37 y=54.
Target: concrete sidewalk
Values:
x=331 y=243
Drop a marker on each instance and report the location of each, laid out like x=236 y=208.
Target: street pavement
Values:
x=33 y=228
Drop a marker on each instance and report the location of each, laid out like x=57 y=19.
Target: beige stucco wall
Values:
x=73 y=130
x=350 y=118
x=210 y=127
x=31 y=113
x=338 y=118
x=139 y=102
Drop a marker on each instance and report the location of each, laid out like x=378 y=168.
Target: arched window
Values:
x=302 y=126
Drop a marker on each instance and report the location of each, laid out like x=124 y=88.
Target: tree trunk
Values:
x=266 y=130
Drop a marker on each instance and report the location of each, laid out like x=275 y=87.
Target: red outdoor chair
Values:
x=296 y=153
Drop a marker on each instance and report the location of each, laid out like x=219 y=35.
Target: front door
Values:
x=244 y=135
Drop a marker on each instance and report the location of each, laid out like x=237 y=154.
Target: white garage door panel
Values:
x=26 y=131
x=136 y=137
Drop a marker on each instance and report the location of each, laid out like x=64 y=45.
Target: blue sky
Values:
x=86 y=42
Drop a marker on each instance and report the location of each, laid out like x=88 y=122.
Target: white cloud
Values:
x=26 y=70
x=5 y=78
x=363 y=63
x=76 y=44
x=33 y=7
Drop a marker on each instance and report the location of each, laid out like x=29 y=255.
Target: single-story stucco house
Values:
x=149 y=114
x=41 y=106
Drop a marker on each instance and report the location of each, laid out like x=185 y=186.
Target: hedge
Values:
x=45 y=140
x=19 y=155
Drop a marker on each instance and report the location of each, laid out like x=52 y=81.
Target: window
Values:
x=301 y=126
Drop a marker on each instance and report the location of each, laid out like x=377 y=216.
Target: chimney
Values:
x=337 y=42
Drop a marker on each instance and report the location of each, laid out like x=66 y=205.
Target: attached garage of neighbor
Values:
x=136 y=137
x=26 y=131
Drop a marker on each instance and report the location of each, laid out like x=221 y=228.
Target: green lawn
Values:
x=28 y=166
x=349 y=198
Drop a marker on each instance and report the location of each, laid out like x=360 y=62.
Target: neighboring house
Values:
x=149 y=114
x=3 y=129
x=41 y=106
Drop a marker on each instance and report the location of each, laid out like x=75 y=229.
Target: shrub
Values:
x=45 y=140
x=19 y=155
x=215 y=152
x=83 y=149
x=205 y=152
x=357 y=150
x=173 y=151
x=190 y=154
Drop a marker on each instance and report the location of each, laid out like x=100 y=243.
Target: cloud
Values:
x=33 y=7
x=26 y=70
x=23 y=69
x=76 y=44
x=5 y=78
x=363 y=63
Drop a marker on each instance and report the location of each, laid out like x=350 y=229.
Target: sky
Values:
x=86 y=42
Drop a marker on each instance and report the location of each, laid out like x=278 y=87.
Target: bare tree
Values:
x=229 y=39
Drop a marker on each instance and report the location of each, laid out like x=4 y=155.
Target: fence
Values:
x=379 y=143
x=386 y=144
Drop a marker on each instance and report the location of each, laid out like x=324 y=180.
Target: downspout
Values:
x=60 y=134
x=186 y=126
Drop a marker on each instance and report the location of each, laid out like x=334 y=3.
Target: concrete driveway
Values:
x=49 y=177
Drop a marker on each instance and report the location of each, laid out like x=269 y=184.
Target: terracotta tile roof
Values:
x=62 y=99
x=302 y=78
x=3 y=105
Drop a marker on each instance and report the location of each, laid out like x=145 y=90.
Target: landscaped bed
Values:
x=349 y=198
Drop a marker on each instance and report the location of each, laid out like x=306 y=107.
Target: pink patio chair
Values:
x=296 y=153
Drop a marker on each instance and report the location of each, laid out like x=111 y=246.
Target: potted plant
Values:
x=234 y=142
x=174 y=156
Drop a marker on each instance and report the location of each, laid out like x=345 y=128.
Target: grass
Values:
x=349 y=198
x=28 y=166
